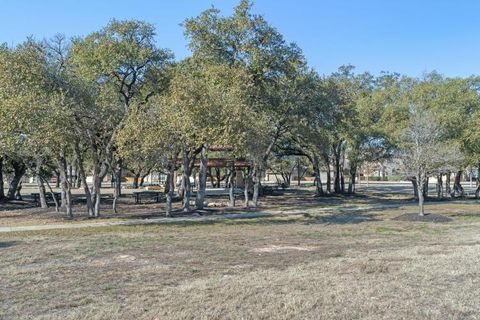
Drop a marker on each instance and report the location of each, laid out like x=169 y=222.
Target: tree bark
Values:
x=231 y=184
x=448 y=189
x=351 y=183
x=421 y=192
x=2 y=189
x=457 y=186
x=186 y=181
x=440 y=186
x=83 y=179
x=425 y=187
x=336 y=182
x=202 y=179
x=57 y=181
x=142 y=178
x=51 y=192
x=257 y=185
x=415 y=187
x=18 y=172
x=65 y=185
x=136 y=177
x=477 y=191
x=117 y=192
x=170 y=186
x=246 y=181
x=41 y=186
x=329 y=179
x=318 y=179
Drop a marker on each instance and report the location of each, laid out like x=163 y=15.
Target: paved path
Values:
x=244 y=215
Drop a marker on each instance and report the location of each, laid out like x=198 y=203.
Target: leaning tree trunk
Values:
x=142 y=178
x=18 y=172
x=2 y=190
x=202 y=179
x=82 y=178
x=318 y=180
x=65 y=185
x=41 y=186
x=231 y=184
x=457 y=186
x=51 y=193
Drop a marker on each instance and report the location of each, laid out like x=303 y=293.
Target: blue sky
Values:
x=405 y=36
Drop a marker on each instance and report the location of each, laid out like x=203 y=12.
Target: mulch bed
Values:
x=426 y=218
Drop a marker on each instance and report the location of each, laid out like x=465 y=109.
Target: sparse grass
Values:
x=318 y=265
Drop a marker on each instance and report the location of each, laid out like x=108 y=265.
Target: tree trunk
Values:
x=256 y=186
x=337 y=185
x=52 y=193
x=351 y=183
x=170 y=186
x=142 y=178
x=117 y=192
x=41 y=186
x=202 y=179
x=219 y=177
x=425 y=187
x=136 y=178
x=2 y=190
x=329 y=179
x=440 y=186
x=65 y=185
x=57 y=180
x=318 y=179
x=421 y=192
x=18 y=172
x=186 y=181
x=477 y=191
x=448 y=189
x=82 y=179
x=246 y=182
x=457 y=186
x=415 y=187
x=231 y=184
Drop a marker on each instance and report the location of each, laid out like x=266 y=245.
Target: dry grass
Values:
x=316 y=265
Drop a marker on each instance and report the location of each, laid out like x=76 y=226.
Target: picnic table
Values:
x=48 y=196
x=156 y=195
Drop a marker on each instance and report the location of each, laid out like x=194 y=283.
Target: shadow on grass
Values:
x=7 y=244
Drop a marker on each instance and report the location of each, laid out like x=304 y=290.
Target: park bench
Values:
x=155 y=195
x=48 y=197
x=221 y=193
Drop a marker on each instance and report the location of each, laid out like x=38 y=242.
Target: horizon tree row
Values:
x=113 y=101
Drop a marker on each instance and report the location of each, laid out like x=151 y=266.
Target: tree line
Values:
x=114 y=101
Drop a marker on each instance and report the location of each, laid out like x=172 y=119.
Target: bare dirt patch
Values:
x=432 y=217
x=274 y=248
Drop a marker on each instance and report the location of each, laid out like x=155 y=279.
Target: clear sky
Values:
x=405 y=36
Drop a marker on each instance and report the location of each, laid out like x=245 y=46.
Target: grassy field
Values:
x=337 y=265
